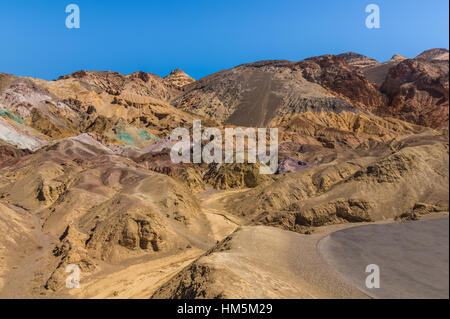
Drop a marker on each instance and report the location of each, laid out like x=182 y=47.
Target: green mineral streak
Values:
x=11 y=115
x=126 y=137
x=146 y=136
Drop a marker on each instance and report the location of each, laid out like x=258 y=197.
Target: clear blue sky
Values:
x=205 y=36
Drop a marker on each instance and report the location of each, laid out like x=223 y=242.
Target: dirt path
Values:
x=220 y=221
x=268 y=262
x=136 y=281
x=23 y=264
x=142 y=279
x=25 y=257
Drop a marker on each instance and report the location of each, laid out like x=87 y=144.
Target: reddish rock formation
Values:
x=333 y=73
x=418 y=92
x=434 y=54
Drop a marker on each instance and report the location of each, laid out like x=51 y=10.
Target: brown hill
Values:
x=434 y=54
x=358 y=61
x=376 y=74
x=259 y=262
x=178 y=78
x=372 y=184
x=98 y=207
x=121 y=109
x=114 y=83
x=254 y=94
x=333 y=73
x=86 y=176
x=418 y=92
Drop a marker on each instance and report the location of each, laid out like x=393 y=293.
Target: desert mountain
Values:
x=434 y=54
x=121 y=109
x=352 y=187
x=358 y=60
x=86 y=175
x=256 y=93
x=100 y=206
x=178 y=78
x=417 y=88
x=376 y=74
x=135 y=84
x=418 y=92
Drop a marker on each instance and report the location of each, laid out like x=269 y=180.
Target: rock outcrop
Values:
x=178 y=78
x=418 y=92
x=358 y=61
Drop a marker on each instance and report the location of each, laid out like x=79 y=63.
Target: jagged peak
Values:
x=358 y=60
x=177 y=72
x=397 y=57
x=179 y=78
x=440 y=54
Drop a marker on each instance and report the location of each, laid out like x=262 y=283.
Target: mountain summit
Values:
x=178 y=78
x=434 y=54
x=358 y=60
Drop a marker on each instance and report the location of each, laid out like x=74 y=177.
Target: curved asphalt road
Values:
x=412 y=257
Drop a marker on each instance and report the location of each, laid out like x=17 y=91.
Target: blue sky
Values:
x=205 y=36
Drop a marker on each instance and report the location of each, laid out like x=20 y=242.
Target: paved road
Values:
x=413 y=257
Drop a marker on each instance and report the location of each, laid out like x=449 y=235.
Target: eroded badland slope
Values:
x=86 y=176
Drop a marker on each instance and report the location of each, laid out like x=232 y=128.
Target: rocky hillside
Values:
x=254 y=94
x=130 y=110
x=378 y=182
x=418 y=92
x=415 y=90
x=376 y=74
x=178 y=78
x=86 y=175
x=434 y=55
x=358 y=61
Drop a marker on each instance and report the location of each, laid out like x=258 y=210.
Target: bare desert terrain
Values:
x=86 y=179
